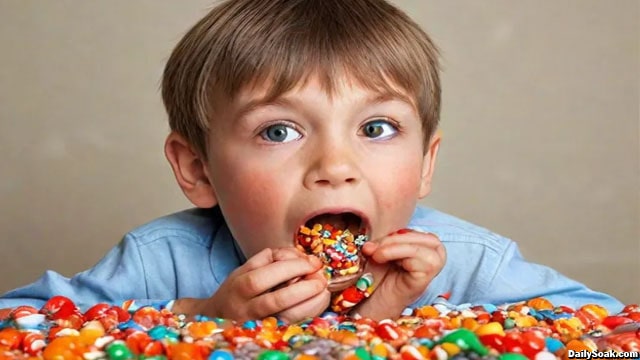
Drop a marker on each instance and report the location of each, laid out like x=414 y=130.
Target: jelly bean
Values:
x=220 y=355
x=362 y=353
x=387 y=331
x=65 y=347
x=466 y=340
x=410 y=352
x=273 y=355
x=33 y=343
x=512 y=356
x=509 y=323
x=427 y=312
x=613 y=322
x=544 y=355
x=553 y=345
x=11 y=338
x=184 y=351
x=97 y=311
x=59 y=307
x=118 y=350
x=491 y=328
x=451 y=349
x=494 y=341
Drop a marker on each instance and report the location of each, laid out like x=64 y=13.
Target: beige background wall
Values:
x=540 y=121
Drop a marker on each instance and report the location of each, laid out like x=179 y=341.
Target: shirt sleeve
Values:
x=516 y=279
x=118 y=276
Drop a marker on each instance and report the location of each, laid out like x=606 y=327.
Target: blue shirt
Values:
x=190 y=253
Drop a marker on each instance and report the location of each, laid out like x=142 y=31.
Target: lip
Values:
x=339 y=210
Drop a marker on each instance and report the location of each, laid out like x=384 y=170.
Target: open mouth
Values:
x=336 y=239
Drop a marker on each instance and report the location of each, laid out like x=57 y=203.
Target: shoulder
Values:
x=194 y=226
x=454 y=231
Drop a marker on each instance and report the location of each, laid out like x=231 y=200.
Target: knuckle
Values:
x=252 y=284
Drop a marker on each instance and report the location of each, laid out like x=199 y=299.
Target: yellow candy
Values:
x=305 y=230
x=90 y=332
x=491 y=328
x=526 y=321
x=291 y=331
x=379 y=350
x=270 y=323
x=597 y=311
x=201 y=330
x=451 y=349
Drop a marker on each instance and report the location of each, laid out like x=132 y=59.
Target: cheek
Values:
x=253 y=202
x=398 y=188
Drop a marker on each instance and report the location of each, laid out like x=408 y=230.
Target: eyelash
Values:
x=278 y=122
x=394 y=123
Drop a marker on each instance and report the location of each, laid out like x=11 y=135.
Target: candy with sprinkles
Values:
x=438 y=331
x=338 y=249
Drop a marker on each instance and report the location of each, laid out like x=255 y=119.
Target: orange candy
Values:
x=540 y=304
x=64 y=348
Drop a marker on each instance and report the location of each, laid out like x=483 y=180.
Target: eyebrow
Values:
x=257 y=103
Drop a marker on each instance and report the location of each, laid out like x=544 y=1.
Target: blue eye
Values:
x=378 y=129
x=280 y=133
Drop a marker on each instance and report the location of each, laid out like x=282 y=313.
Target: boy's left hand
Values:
x=403 y=264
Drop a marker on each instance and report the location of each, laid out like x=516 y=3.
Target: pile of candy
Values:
x=529 y=330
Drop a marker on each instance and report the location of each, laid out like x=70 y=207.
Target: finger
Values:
x=277 y=301
x=312 y=307
x=263 y=279
x=408 y=235
x=426 y=262
x=399 y=251
x=268 y=255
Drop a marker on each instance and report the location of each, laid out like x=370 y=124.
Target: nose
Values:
x=332 y=165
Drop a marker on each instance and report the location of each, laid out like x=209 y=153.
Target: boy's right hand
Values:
x=252 y=291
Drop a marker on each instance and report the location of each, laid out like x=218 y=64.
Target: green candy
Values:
x=118 y=350
x=509 y=323
x=362 y=353
x=512 y=356
x=364 y=282
x=273 y=355
x=465 y=340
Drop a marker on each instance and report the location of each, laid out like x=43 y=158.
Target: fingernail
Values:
x=404 y=231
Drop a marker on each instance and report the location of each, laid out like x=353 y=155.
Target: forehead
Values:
x=342 y=87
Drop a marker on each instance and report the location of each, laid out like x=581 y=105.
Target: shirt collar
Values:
x=226 y=254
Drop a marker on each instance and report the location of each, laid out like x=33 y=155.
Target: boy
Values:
x=286 y=113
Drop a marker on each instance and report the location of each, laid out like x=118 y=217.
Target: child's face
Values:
x=274 y=166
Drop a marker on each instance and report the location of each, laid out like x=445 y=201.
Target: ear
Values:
x=428 y=164
x=190 y=171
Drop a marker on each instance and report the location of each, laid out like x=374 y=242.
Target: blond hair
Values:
x=280 y=43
